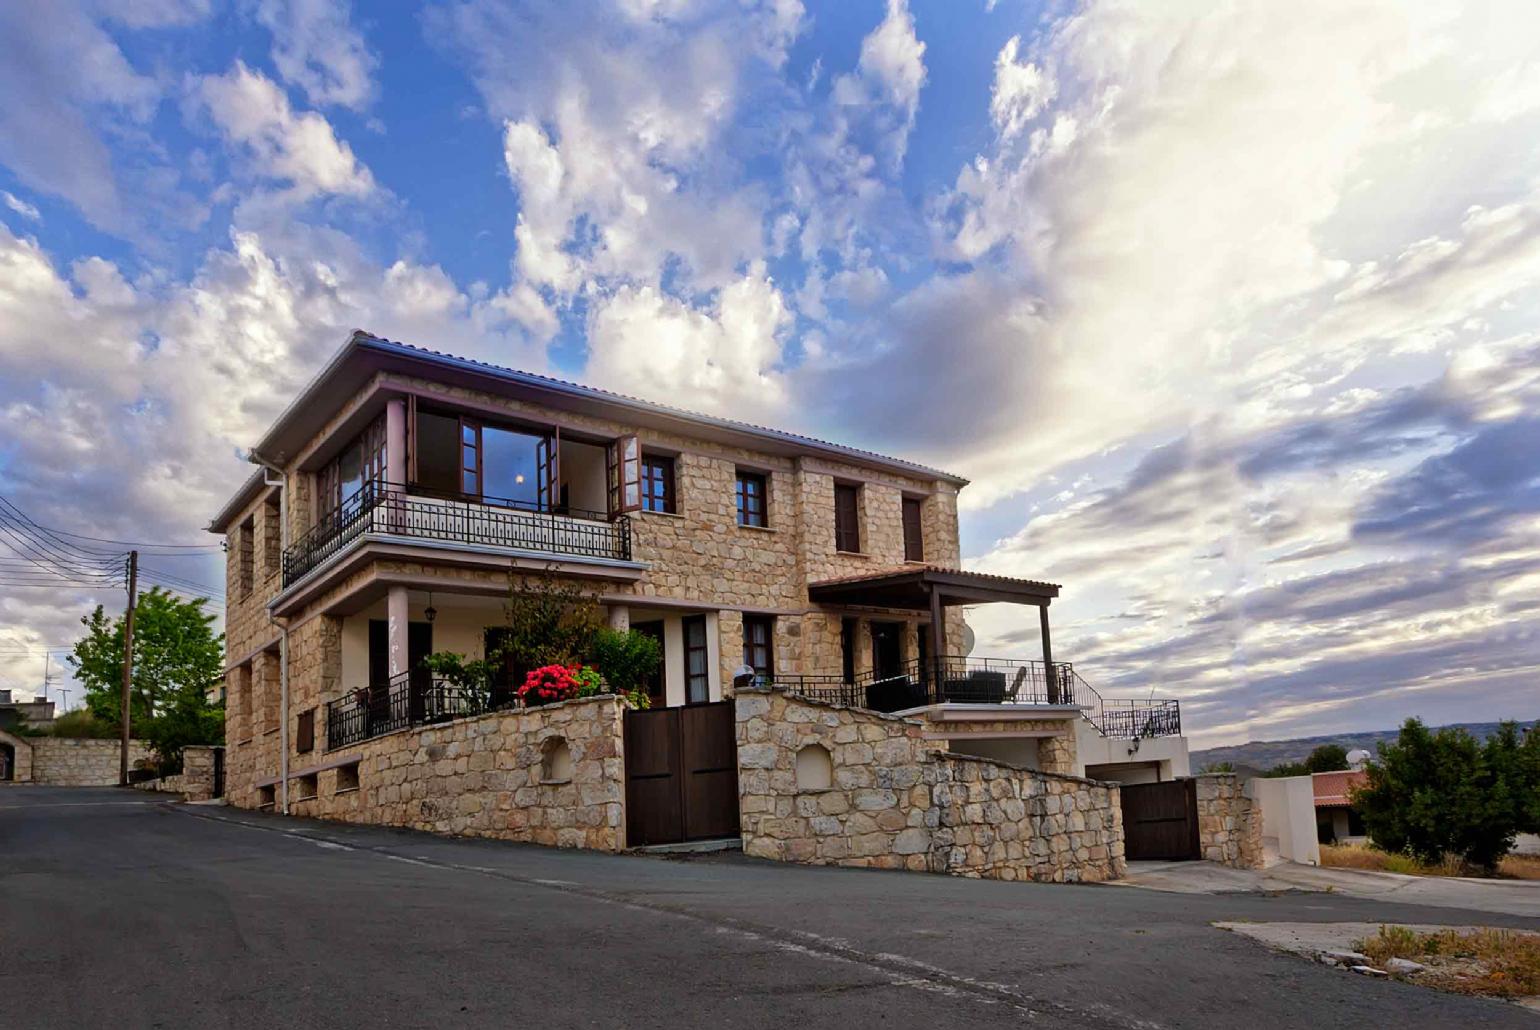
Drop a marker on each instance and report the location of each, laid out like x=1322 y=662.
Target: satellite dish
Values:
x=1357 y=757
x=968 y=640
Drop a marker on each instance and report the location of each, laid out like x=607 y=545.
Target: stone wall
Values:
x=82 y=762
x=894 y=800
x=499 y=775
x=1229 y=821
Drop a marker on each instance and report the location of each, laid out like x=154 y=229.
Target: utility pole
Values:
x=128 y=660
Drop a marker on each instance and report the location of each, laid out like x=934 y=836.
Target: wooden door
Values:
x=1160 y=821
x=654 y=804
x=681 y=774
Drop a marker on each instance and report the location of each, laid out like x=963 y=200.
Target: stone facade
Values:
x=80 y=762
x=1229 y=821
x=196 y=780
x=829 y=785
x=698 y=559
x=552 y=775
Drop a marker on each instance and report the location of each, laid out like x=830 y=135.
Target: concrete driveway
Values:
x=1505 y=897
x=122 y=910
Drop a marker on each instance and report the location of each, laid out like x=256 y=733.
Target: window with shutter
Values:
x=914 y=536
x=847 y=517
x=304 y=738
x=625 y=475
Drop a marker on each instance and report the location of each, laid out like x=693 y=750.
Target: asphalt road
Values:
x=120 y=910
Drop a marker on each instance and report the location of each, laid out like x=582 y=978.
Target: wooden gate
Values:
x=681 y=774
x=1160 y=820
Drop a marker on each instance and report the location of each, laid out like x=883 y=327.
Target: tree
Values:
x=1327 y=758
x=550 y=621
x=1432 y=794
x=626 y=658
x=177 y=655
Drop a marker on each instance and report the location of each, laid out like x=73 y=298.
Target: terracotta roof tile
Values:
x=1332 y=788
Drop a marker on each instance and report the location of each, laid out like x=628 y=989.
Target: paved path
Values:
x=1504 y=897
x=117 y=910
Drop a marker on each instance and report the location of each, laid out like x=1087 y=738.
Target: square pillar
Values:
x=398 y=615
x=619 y=617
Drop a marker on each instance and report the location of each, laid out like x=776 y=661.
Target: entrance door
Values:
x=655 y=683
x=1160 y=821
x=887 y=649
x=681 y=774
x=7 y=762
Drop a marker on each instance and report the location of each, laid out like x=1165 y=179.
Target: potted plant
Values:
x=549 y=684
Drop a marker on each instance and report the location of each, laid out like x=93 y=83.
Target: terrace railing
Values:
x=407 y=699
x=486 y=521
x=966 y=680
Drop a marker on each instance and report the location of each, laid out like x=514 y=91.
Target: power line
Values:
x=57 y=534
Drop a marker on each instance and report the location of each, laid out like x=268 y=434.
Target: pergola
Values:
x=932 y=589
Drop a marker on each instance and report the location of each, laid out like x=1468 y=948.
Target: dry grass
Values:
x=1499 y=963
x=1352 y=856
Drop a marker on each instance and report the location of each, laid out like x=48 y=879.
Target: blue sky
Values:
x=1228 y=311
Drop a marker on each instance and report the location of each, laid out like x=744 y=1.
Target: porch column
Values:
x=397 y=616
x=395 y=442
x=619 y=617
x=1048 y=670
x=937 y=643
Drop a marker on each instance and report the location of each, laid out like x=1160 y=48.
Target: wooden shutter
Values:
x=914 y=536
x=305 y=738
x=625 y=475
x=847 y=517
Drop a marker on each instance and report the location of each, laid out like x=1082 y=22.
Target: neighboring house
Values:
x=1335 y=820
x=403 y=488
x=36 y=714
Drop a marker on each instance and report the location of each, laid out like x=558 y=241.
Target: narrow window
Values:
x=847 y=517
x=470 y=459
x=625 y=475
x=304 y=736
x=697 y=668
x=248 y=555
x=658 y=483
x=272 y=537
x=751 y=499
x=848 y=650
x=759 y=645
x=914 y=536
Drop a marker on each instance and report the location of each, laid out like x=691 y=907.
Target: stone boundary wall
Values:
x=502 y=775
x=1229 y=821
x=894 y=800
x=196 y=780
x=82 y=761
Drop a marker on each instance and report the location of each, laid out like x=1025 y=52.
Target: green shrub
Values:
x=83 y=723
x=626 y=658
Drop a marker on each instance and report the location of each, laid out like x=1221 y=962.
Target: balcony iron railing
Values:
x=958 y=680
x=407 y=699
x=385 y=508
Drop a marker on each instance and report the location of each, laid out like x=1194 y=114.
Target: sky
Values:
x=1228 y=310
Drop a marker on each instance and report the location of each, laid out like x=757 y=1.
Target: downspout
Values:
x=283 y=633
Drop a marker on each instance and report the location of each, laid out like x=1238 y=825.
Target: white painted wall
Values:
x=1288 y=817
x=459 y=629
x=1129 y=772
x=1168 y=754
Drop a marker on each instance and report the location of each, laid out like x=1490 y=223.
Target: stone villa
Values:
x=404 y=491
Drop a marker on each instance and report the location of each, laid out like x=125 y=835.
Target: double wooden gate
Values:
x=681 y=774
x=1160 y=820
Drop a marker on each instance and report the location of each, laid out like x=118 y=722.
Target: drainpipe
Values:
x=283 y=632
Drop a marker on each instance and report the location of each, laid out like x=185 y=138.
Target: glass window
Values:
x=437 y=445
x=759 y=645
x=751 y=499
x=510 y=467
x=658 y=483
x=697 y=669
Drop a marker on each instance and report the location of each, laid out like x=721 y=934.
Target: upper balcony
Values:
x=413 y=514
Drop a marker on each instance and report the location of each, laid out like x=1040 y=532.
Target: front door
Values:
x=887 y=649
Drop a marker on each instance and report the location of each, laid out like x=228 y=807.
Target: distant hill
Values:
x=1261 y=755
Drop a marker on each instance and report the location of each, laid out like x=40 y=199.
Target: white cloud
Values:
x=301 y=149
x=1020 y=91
x=21 y=207
x=316 y=47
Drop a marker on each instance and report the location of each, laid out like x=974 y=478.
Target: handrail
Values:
x=408 y=699
x=381 y=507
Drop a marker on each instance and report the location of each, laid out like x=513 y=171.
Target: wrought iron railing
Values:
x=1131 y=718
x=486 y=521
x=408 y=699
x=958 y=680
